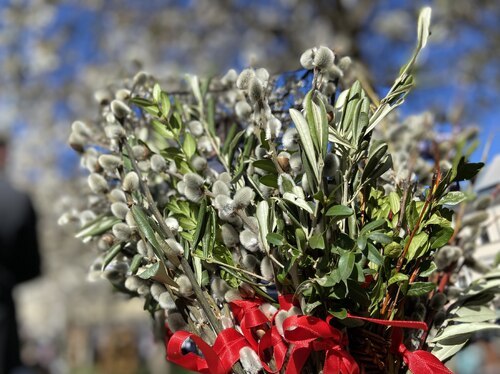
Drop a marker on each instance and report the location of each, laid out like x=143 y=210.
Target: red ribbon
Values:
x=218 y=359
x=302 y=335
x=418 y=361
x=313 y=334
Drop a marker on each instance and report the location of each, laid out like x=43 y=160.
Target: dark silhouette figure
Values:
x=19 y=260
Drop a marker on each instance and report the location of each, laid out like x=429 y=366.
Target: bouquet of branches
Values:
x=271 y=226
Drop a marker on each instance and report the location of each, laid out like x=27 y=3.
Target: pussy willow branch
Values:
x=166 y=231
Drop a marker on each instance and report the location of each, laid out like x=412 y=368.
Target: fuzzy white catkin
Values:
x=109 y=162
x=97 y=183
x=220 y=188
x=244 y=79
x=307 y=59
x=232 y=295
x=249 y=262
x=193 y=194
x=193 y=180
x=268 y=309
x=345 y=63
x=172 y=224
x=122 y=94
x=166 y=301
x=219 y=287
x=230 y=77
x=242 y=109
x=117 y=195
x=249 y=240
x=243 y=197
x=278 y=321
x=120 y=109
x=223 y=202
x=255 y=90
x=331 y=165
x=119 y=210
x=76 y=141
x=130 y=182
x=323 y=58
x=199 y=163
x=140 y=152
x=122 y=231
x=133 y=283
x=296 y=163
x=273 y=128
x=102 y=97
x=130 y=220
x=185 y=287
x=226 y=178
x=196 y=128
x=266 y=268
x=290 y=139
x=158 y=163
x=230 y=236
x=175 y=246
x=80 y=128
x=262 y=74
x=140 y=78
x=114 y=131
x=157 y=290
x=250 y=361
x=181 y=187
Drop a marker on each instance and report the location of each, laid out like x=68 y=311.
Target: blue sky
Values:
x=438 y=73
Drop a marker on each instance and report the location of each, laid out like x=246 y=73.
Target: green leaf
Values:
x=135 y=264
x=339 y=314
x=371 y=226
x=452 y=198
x=141 y=102
x=111 y=254
x=162 y=130
x=441 y=237
x=478 y=313
x=444 y=352
x=275 y=239
x=150 y=271
x=428 y=271
x=380 y=237
x=418 y=246
x=339 y=211
x=306 y=139
x=165 y=104
x=301 y=203
x=157 y=93
x=374 y=255
x=316 y=241
x=321 y=124
x=189 y=145
x=101 y=225
x=346 y=265
x=270 y=180
x=201 y=224
x=310 y=307
x=330 y=279
x=263 y=220
x=420 y=288
x=266 y=165
x=394 y=202
x=463 y=331
x=397 y=278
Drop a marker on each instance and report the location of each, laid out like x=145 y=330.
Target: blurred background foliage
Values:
x=54 y=54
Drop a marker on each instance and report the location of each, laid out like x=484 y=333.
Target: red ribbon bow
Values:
x=218 y=359
x=303 y=334
x=313 y=334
